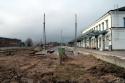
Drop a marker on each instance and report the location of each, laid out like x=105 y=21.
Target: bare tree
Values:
x=29 y=42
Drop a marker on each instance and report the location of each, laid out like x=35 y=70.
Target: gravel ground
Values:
x=26 y=68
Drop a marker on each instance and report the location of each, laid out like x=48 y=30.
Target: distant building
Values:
x=107 y=33
x=8 y=42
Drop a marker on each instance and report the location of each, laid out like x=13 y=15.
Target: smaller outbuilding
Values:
x=8 y=42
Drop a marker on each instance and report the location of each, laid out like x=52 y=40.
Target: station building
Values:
x=107 y=33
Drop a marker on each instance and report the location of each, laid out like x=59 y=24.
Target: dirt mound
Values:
x=9 y=74
x=108 y=73
x=106 y=68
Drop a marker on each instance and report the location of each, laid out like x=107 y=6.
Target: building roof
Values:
x=10 y=39
x=120 y=9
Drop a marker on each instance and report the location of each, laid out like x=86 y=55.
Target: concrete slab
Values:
x=114 y=57
x=120 y=54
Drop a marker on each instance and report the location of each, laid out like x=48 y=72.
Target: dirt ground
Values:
x=26 y=68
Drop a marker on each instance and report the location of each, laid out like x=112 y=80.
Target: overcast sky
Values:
x=24 y=18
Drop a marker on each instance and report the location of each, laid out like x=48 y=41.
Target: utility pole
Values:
x=44 y=32
x=75 y=30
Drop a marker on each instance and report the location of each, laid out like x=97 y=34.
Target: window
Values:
x=106 y=24
x=99 y=27
x=96 y=28
x=103 y=26
x=92 y=29
x=124 y=22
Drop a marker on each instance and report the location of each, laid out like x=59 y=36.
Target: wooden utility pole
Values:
x=44 y=32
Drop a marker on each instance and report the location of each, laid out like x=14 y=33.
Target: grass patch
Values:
x=69 y=72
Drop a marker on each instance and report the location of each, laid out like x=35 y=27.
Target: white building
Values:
x=107 y=33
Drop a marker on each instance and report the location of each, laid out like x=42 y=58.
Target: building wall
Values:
x=118 y=38
x=118 y=33
x=100 y=25
x=6 y=42
x=113 y=23
x=118 y=18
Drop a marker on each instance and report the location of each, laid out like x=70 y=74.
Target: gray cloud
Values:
x=24 y=18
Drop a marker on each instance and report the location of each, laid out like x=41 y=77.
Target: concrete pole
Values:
x=44 y=32
x=96 y=42
x=61 y=37
x=75 y=30
x=85 y=42
x=102 y=43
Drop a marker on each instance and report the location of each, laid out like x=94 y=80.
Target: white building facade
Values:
x=107 y=33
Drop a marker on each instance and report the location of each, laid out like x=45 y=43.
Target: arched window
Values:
x=103 y=26
x=107 y=24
